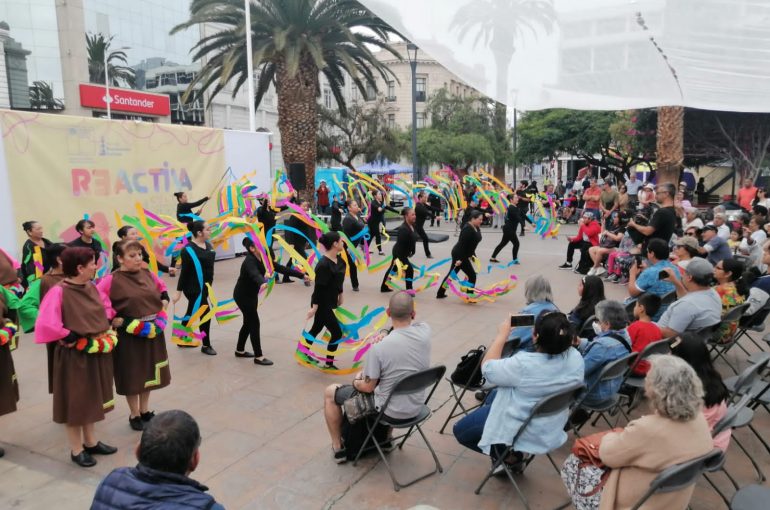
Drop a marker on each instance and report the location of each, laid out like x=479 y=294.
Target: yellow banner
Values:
x=63 y=168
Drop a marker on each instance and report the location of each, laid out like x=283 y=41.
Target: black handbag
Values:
x=467 y=372
x=359 y=406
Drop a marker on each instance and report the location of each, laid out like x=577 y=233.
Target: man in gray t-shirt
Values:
x=699 y=305
x=405 y=350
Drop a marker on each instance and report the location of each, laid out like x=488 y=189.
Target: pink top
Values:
x=105 y=286
x=14 y=262
x=49 y=326
x=713 y=414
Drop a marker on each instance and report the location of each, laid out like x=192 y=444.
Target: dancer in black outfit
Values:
x=406 y=244
x=87 y=229
x=189 y=285
x=513 y=218
x=377 y=210
x=246 y=295
x=295 y=240
x=464 y=250
x=352 y=225
x=327 y=293
x=184 y=213
x=423 y=211
x=524 y=201
x=337 y=212
x=435 y=202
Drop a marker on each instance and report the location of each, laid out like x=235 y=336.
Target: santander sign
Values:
x=125 y=100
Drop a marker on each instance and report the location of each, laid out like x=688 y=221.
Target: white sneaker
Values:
x=591 y=272
x=599 y=271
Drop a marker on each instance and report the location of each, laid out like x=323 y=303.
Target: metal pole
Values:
x=249 y=66
x=107 y=98
x=514 y=147
x=415 y=168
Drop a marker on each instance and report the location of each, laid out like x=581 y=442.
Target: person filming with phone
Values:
x=698 y=306
x=645 y=275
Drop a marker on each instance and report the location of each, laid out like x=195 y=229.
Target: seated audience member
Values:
x=715 y=249
x=754 y=237
x=698 y=305
x=591 y=291
x=648 y=280
x=587 y=236
x=726 y=274
x=643 y=331
x=759 y=289
x=691 y=219
x=693 y=350
x=608 y=242
x=405 y=350
x=676 y=431
x=720 y=222
x=619 y=261
x=685 y=248
x=168 y=452
x=663 y=221
x=539 y=299
x=521 y=381
x=610 y=343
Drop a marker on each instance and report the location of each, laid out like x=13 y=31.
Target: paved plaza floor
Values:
x=265 y=444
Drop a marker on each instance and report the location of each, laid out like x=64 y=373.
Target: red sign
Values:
x=125 y=100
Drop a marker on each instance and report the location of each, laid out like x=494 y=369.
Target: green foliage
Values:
x=120 y=74
x=361 y=131
x=41 y=97
x=460 y=150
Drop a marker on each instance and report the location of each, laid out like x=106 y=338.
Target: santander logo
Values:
x=124 y=100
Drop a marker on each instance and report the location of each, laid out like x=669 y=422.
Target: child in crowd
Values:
x=735 y=240
x=643 y=331
x=569 y=205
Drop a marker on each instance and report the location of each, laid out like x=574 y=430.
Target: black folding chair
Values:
x=753 y=323
x=630 y=311
x=667 y=299
x=410 y=384
x=634 y=384
x=751 y=497
x=616 y=369
x=728 y=421
x=587 y=328
x=719 y=347
x=679 y=476
x=548 y=406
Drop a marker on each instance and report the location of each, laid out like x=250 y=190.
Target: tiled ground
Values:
x=265 y=444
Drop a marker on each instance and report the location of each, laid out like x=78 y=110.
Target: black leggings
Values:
x=409 y=273
x=352 y=268
x=374 y=232
x=420 y=230
x=203 y=327
x=324 y=317
x=250 y=327
x=466 y=267
x=509 y=235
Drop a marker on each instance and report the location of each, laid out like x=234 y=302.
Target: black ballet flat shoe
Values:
x=440 y=296
x=330 y=366
x=83 y=459
x=264 y=362
x=100 y=449
x=149 y=415
x=386 y=289
x=136 y=423
x=244 y=354
x=207 y=349
x=355 y=289
x=287 y=280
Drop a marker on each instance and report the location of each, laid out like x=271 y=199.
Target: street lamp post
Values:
x=411 y=50
x=107 y=97
x=249 y=65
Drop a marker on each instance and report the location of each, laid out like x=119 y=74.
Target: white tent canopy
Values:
x=597 y=54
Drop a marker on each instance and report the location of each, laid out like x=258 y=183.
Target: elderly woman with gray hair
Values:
x=676 y=431
x=539 y=298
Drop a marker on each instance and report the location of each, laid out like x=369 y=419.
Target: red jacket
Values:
x=592 y=230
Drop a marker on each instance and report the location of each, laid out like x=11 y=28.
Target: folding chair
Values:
x=547 y=406
x=587 y=328
x=630 y=311
x=751 y=497
x=719 y=347
x=728 y=421
x=754 y=323
x=412 y=383
x=610 y=371
x=633 y=384
x=667 y=299
x=679 y=476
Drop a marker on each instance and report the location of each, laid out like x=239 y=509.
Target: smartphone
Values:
x=522 y=320
x=662 y=275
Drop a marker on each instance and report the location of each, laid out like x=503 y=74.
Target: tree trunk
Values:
x=298 y=118
x=670 y=143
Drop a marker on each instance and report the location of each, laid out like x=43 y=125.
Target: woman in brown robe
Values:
x=9 y=386
x=9 y=279
x=73 y=314
x=140 y=359
x=50 y=279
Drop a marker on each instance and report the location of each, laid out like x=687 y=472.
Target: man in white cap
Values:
x=698 y=306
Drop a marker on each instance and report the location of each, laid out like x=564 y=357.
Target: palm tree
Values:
x=120 y=75
x=292 y=41
x=41 y=97
x=670 y=143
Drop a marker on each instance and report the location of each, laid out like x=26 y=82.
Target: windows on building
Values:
x=422 y=85
x=371 y=94
x=327 y=98
x=422 y=120
x=391 y=121
x=391 y=91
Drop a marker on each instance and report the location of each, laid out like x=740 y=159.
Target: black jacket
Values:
x=423 y=212
x=467 y=243
x=188 y=277
x=351 y=226
x=27 y=259
x=515 y=217
x=183 y=211
x=435 y=202
x=337 y=210
x=376 y=217
x=329 y=277
x=406 y=242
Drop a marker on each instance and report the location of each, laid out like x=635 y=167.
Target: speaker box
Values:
x=297 y=175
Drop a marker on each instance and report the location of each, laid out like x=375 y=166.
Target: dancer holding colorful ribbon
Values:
x=33 y=263
x=73 y=315
x=406 y=244
x=513 y=218
x=327 y=295
x=140 y=361
x=197 y=270
x=353 y=227
x=377 y=210
x=463 y=251
x=423 y=211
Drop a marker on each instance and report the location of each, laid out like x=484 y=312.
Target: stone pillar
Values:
x=74 y=58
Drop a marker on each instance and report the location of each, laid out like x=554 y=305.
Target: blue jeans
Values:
x=468 y=430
